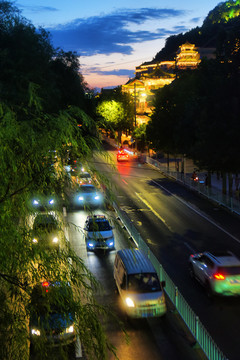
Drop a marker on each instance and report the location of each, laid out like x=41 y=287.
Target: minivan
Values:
x=138 y=284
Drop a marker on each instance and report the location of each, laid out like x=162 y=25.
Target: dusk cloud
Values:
x=118 y=72
x=38 y=9
x=110 y=33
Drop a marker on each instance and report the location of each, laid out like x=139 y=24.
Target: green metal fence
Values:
x=192 y=321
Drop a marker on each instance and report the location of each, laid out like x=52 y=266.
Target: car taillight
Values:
x=219 y=276
x=45 y=285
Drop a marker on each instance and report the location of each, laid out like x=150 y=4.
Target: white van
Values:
x=138 y=284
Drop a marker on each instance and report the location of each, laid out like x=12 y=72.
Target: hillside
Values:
x=221 y=24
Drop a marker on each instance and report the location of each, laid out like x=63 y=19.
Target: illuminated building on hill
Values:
x=150 y=77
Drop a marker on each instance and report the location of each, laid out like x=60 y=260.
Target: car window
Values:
x=204 y=259
x=143 y=283
x=85 y=176
x=45 y=222
x=99 y=226
x=87 y=189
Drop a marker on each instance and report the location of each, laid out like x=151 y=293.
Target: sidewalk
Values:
x=213 y=193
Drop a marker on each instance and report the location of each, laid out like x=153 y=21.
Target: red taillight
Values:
x=219 y=276
x=45 y=285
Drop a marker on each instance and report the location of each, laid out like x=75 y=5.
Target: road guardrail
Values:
x=192 y=321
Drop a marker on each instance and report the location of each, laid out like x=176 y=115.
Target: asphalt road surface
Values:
x=155 y=339
x=176 y=222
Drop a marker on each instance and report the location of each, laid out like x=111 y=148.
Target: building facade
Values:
x=150 y=77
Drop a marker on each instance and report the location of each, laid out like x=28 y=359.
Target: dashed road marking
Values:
x=154 y=211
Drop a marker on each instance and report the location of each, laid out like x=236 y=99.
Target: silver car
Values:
x=218 y=272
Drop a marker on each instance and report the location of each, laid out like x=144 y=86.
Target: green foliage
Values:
x=41 y=113
x=112 y=112
x=139 y=133
x=117 y=110
x=220 y=25
x=197 y=115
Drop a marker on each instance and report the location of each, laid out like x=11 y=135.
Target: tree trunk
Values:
x=120 y=137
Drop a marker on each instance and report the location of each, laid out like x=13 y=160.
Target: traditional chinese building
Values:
x=143 y=90
x=150 y=77
x=187 y=57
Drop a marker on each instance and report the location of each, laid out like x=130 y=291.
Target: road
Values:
x=176 y=222
x=155 y=339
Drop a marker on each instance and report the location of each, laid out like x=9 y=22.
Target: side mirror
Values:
x=163 y=283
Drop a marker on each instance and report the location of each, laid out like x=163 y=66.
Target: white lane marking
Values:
x=198 y=212
x=154 y=212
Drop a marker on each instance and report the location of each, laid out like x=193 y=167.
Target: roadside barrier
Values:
x=191 y=320
x=212 y=193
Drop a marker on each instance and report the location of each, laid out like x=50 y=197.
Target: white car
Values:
x=87 y=195
x=219 y=272
x=98 y=233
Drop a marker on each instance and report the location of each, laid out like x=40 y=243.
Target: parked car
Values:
x=51 y=318
x=218 y=272
x=46 y=232
x=98 y=233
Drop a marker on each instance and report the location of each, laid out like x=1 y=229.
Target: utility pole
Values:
x=135 y=105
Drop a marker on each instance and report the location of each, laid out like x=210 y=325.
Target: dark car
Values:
x=51 y=317
x=44 y=202
x=46 y=232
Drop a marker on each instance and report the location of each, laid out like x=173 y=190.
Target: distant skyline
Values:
x=113 y=38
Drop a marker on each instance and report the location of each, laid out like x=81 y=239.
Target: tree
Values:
x=139 y=134
x=30 y=130
x=117 y=111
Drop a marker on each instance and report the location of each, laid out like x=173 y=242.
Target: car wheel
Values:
x=191 y=271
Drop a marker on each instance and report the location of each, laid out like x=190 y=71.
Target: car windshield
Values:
x=85 y=176
x=229 y=270
x=87 y=189
x=143 y=283
x=99 y=226
x=45 y=223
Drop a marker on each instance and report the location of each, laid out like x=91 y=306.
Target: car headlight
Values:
x=36 y=332
x=80 y=198
x=51 y=202
x=90 y=245
x=70 y=329
x=35 y=241
x=35 y=202
x=55 y=240
x=130 y=302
